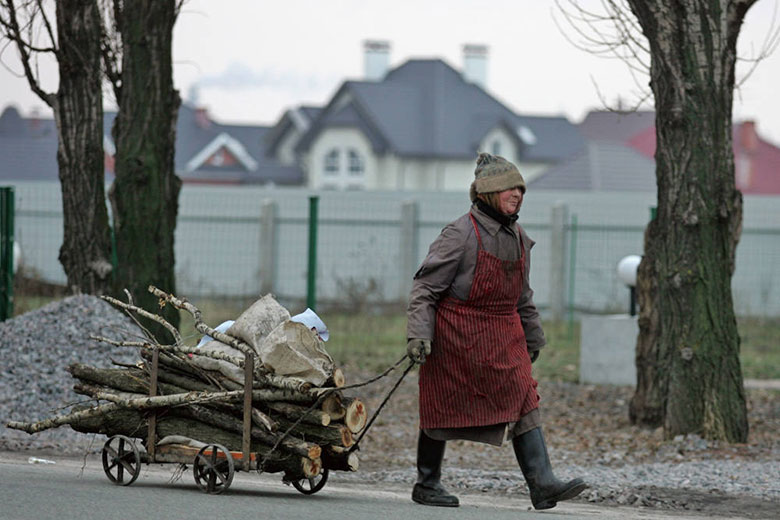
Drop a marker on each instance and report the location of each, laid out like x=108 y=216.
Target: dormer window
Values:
x=356 y=165
x=332 y=165
x=343 y=168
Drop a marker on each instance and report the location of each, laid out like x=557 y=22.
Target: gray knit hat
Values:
x=494 y=173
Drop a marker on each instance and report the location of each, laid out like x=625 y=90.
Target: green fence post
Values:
x=6 y=252
x=311 y=278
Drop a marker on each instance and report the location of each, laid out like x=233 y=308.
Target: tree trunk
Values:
x=78 y=111
x=145 y=193
x=689 y=376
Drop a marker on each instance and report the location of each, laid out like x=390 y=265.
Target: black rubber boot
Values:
x=546 y=490
x=428 y=489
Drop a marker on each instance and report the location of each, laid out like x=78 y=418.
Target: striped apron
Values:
x=479 y=371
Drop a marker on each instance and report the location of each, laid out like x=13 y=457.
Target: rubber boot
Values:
x=428 y=489
x=546 y=490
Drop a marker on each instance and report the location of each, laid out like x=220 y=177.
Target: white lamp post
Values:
x=626 y=271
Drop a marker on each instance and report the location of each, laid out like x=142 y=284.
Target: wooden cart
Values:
x=213 y=465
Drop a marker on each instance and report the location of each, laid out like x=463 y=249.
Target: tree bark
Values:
x=228 y=422
x=296 y=411
x=333 y=435
x=689 y=376
x=78 y=113
x=145 y=193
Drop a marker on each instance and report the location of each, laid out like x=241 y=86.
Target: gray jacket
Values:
x=448 y=270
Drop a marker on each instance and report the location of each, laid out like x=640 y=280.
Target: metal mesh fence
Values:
x=238 y=242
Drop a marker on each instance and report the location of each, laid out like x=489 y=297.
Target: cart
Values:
x=213 y=465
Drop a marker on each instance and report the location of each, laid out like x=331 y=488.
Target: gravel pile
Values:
x=37 y=347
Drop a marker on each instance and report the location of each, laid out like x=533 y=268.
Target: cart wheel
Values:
x=213 y=469
x=309 y=486
x=121 y=460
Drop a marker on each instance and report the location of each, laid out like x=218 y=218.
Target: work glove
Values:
x=534 y=355
x=417 y=349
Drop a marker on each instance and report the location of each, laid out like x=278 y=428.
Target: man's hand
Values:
x=417 y=349
x=534 y=355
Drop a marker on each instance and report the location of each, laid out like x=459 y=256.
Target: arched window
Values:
x=356 y=164
x=332 y=162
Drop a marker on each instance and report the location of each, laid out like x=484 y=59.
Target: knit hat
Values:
x=494 y=173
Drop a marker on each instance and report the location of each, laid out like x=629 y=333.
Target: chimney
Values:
x=748 y=136
x=35 y=120
x=202 y=117
x=475 y=64
x=376 y=62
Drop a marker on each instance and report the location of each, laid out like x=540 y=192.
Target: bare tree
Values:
x=145 y=193
x=78 y=113
x=688 y=371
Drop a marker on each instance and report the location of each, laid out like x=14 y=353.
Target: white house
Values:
x=419 y=126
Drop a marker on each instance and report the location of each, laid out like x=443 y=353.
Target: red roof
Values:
x=756 y=161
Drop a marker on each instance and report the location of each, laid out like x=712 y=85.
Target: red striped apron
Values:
x=479 y=371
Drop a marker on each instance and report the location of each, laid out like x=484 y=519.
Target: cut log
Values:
x=340 y=459
x=335 y=434
x=163 y=401
x=356 y=415
x=258 y=418
x=295 y=412
x=230 y=423
x=337 y=379
x=127 y=380
x=332 y=406
x=181 y=365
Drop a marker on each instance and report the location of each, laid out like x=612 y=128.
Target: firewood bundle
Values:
x=300 y=420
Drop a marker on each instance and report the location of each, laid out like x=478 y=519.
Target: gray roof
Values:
x=299 y=118
x=602 y=166
x=28 y=148
x=425 y=108
x=616 y=126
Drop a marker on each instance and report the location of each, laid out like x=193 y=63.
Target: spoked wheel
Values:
x=309 y=486
x=213 y=469
x=121 y=460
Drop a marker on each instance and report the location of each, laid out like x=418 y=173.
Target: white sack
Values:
x=294 y=350
x=258 y=321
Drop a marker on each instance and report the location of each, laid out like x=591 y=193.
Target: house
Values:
x=418 y=126
x=206 y=151
x=600 y=166
x=621 y=150
x=28 y=147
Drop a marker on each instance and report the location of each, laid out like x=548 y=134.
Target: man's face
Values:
x=509 y=201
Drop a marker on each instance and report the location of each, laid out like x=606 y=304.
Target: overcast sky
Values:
x=251 y=60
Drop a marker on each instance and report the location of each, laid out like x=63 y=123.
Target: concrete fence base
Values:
x=607 y=346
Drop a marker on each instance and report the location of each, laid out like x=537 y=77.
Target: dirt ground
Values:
x=584 y=425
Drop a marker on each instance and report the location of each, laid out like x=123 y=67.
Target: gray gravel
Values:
x=734 y=489
x=37 y=347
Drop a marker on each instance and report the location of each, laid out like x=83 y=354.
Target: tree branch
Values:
x=13 y=31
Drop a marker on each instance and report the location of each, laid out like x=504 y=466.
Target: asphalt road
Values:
x=71 y=490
